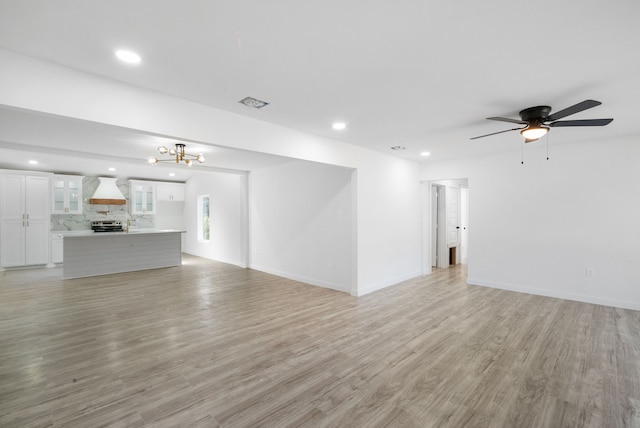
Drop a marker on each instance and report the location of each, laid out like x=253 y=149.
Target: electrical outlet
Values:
x=590 y=273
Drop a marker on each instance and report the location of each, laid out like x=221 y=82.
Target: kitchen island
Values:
x=116 y=252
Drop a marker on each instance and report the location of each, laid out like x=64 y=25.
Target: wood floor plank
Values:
x=208 y=344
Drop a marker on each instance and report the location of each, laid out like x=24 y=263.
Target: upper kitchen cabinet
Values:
x=142 y=197
x=171 y=192
x=24 y=219
x=67 y=194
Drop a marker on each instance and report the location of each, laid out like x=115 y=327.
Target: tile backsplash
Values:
x=92 y=212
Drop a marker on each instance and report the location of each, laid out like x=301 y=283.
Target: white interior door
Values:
x=434 y=225
x=453 y=219
x=464 y=224
x=441 y=240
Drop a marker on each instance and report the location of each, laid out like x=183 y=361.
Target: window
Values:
x=204 y=226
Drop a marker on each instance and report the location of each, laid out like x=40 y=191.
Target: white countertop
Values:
x=72 y=232
x=129 y=233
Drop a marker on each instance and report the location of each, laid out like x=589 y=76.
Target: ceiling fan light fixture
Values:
x=534 y=131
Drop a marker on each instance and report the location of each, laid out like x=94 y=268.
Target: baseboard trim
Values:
x=385 y=284
x=635 y=306
x=306 y=280
x=221 y=260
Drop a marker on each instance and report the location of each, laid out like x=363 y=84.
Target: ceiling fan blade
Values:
x=495 y=133
x=586 y=122
x=577 y=108
x=506 y=119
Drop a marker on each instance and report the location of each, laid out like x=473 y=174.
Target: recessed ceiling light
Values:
x=338 y=126
x=398 y=148
x=252 y=102
x=172 y=174
x=112 y=169
x=128 y=56
x=33 y=162
x=425 y=154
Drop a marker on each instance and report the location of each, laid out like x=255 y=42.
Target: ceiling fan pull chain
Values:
x=522 y=153
x=547 y=146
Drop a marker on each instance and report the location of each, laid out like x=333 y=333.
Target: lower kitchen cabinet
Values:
x=57 y=247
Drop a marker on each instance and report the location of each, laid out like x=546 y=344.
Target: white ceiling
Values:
x=72 y=146
x=417 y=73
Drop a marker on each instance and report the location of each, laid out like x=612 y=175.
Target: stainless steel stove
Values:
x=107 y=226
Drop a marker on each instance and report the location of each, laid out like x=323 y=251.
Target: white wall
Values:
x=228 y=222
x=169 y=215
x=537 y=227
x=388 y=248
x=301 y=223
x=389 y=223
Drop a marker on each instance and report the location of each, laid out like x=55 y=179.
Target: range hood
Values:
x=107 y=193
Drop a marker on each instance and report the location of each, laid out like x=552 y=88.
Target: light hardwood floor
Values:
x=209 y=344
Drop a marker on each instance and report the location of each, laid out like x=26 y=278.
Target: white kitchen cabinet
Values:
x=171 y=192
x=24 y=219
x=67 y=194
x=57 y=247
x=142 y=197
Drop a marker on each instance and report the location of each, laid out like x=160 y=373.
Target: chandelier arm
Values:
x=179 y=154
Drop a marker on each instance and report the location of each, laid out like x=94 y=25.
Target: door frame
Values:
x=427 y=224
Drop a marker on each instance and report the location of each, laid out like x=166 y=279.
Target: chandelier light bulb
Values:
x=188 y=162
x=162 y=150
x=200 y=158
x=153 y=161
x=172 y=152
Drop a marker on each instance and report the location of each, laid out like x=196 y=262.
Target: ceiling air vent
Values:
x=252 y=102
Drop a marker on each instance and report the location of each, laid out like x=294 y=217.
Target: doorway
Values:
x=447 y=221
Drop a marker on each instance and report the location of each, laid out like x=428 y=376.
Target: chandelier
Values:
x=178 y=155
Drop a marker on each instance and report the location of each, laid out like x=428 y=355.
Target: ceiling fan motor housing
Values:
x=538 y=113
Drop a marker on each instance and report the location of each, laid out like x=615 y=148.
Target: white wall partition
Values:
x=228 y=224
x=539 y=227
x=389 y=223
x=301 y=223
